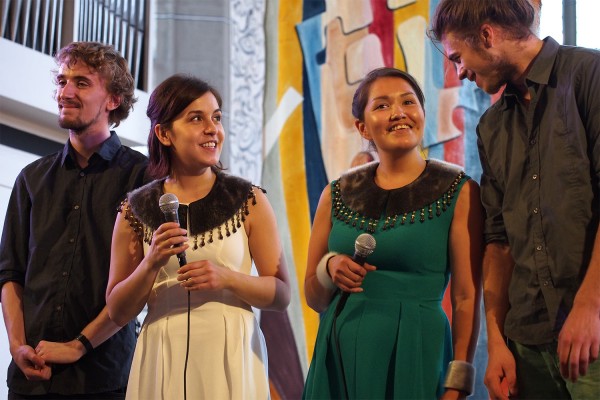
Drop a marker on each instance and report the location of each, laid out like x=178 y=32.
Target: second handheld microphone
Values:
x=364 y=245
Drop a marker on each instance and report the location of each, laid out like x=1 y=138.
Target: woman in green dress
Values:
x=392 y=338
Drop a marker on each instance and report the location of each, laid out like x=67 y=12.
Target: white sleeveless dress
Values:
x=227 y=352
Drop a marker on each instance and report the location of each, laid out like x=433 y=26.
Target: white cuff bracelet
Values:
x=322 y=274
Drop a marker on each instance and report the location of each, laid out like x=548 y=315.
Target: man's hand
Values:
x=33 y=366
x=579 y=341
x=500 y=372
x=60 y=353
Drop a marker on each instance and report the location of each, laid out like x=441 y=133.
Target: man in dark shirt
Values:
x=540 y=155
x=55 y=249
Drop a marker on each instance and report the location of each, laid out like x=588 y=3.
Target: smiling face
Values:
x=393 y=117
x=84 y=103
x=196 y=136
x=484 y=65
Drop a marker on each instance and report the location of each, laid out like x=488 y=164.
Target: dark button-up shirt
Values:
x=541 y=165
x=56 y=244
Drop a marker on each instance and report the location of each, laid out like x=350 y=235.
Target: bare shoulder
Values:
x=469 y=192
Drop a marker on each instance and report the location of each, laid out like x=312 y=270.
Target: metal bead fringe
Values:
x=230 y=226
x=349 y=216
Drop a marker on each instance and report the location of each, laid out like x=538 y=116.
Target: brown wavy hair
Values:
x=464 y=18
x=113 y=68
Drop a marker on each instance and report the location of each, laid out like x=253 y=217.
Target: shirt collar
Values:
x=544 y=62
x=540 y=69
x=107 y=150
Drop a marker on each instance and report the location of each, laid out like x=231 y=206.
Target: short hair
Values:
x=464 y=18
x=166 y=102
x=111 y=66
x=361 y=96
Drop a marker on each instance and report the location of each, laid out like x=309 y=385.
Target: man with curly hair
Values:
x=55 y=248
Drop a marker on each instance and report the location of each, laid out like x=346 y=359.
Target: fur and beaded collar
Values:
x=223 y=210
x=358 y=200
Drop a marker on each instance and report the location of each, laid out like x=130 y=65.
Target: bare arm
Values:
x=32 y=365
x=579 y=338
x=345 y=273
x=131 y=274
x=33 y=362
x=498 y=266
x=97 y=332
x=271 y=289
x=466 y=254
x=318 y=297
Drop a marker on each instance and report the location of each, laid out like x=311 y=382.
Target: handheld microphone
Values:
x=364 y=245
x=169 y=204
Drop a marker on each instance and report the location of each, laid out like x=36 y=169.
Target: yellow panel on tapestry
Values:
x=291 y=150
x=410 y=23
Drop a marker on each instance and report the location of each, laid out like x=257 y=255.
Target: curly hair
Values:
x=113 y=68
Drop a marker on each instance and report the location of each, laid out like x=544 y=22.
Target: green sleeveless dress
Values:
x=394 y=338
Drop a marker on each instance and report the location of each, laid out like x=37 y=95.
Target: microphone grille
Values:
x=168 y=203
x=364 y=244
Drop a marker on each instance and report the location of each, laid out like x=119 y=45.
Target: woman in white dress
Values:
x=200 y=338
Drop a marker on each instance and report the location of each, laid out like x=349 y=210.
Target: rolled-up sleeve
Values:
x=491 y=197
x=14 y=246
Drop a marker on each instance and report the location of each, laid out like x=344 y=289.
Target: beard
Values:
x=498 y=74
x=77 y=124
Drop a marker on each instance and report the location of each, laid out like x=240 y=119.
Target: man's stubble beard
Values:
x=78 y=126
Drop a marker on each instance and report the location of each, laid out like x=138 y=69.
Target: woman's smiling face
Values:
x=394 y=118
x=196 y=135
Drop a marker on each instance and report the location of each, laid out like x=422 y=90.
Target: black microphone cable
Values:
x=187 y=348
x=363 y=247
x=169 y=205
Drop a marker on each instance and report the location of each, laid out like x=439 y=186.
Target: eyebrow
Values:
x=202 y=112
x=73 y=77
x=385 y=97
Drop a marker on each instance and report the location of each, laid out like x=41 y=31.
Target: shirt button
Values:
x=532 y=142
x=81 y=174
x=76 y=207
x=65 y=273
x=534 y=177
x=71 y=240
x=538 y=247
x=58 y=308
x=536 y=210
x=546 y=283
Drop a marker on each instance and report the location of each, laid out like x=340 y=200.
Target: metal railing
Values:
x=121 y=23
x=36 y=24
x=47 y=25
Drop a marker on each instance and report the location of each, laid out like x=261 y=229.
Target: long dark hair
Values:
x=166 y=102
